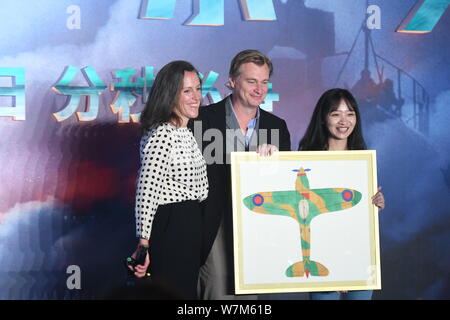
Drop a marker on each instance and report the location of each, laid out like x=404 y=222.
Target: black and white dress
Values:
x=172 y=182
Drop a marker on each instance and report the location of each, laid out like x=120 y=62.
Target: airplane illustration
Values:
x=303 y=204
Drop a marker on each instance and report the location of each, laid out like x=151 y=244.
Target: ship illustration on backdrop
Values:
x=392 y=93
x=303 y=204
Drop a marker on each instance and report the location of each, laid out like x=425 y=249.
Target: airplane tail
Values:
x=308 y=267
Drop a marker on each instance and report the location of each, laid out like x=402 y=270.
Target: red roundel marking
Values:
x=347 y=195
x=258 y=200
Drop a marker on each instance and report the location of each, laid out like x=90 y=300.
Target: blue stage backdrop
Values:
x=74 y=75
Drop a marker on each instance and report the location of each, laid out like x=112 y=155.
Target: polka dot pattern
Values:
x=172 y=170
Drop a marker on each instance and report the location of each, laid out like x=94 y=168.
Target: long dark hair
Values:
x=164 y=94
x=317 y=134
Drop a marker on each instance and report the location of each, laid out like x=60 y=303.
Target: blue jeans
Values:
x=350 y=295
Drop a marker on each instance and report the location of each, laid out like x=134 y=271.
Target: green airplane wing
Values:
x=331 y=199
x=283 y=203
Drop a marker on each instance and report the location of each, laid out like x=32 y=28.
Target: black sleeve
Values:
x=285 y=137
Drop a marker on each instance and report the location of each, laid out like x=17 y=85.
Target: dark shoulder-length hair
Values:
x=164 y=95
x=317 y=134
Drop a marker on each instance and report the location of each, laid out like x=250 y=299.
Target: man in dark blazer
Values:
x=236 y=123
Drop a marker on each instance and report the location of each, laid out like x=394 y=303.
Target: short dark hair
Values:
x=246 y=56
x=317 y=134
x=164 y=94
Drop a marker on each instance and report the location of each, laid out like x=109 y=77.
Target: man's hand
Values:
x=266 y=149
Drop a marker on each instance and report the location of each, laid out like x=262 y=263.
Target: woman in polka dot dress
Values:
x=171 y=183
x=336 y=126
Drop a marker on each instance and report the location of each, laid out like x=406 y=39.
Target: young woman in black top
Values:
x=336 y=126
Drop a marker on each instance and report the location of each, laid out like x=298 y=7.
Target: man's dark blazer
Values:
x=219 y=203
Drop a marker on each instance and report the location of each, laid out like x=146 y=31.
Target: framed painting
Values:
x=304 y=221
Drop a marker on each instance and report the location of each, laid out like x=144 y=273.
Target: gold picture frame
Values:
x=304 y=221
